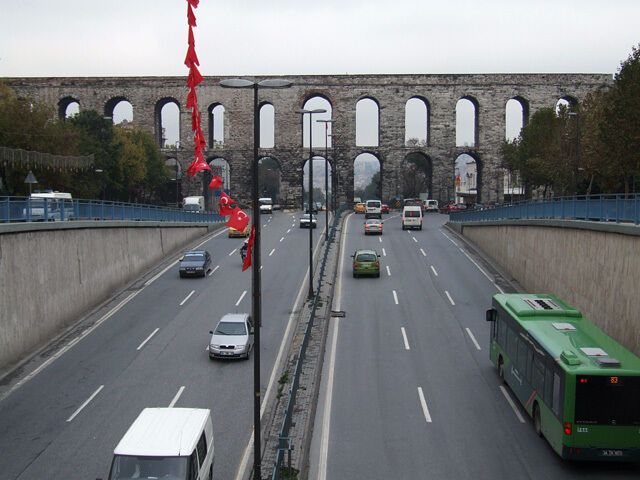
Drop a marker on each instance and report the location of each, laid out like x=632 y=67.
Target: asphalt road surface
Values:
x=151 y=352
x=408 y=390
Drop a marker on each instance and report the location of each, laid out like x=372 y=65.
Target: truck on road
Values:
x=193 y=204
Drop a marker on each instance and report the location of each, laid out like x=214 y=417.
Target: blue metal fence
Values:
x=618 y=208
x=27 y=209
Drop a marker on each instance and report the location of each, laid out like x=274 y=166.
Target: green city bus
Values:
x=581 y=387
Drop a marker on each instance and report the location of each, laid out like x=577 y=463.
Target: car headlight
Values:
x=199 y=268
x=214 y=346
x=240 y=347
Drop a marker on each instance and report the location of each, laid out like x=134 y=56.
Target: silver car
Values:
x=307 y=221
x=233 y=337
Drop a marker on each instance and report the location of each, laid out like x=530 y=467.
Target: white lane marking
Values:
x=261 y=267
x=289 y=231
x=264 y=226
x=85 y=403
x=498 y=287
x=242 y=468
x=434 y=270
x=393 y=216
x=404 y=337
x=395 y=297
x=449 y=238
x=388 y=271
x=213 y=271
x=282 y=239
x=147 y=339
x=326 y=417
x=67 y=347
x=175 y=399
x=384 y=252
x=380 y=239
x=187 y=298
x=233 y=251
x=414 y=239
x=271 y=252
x=473 y=339
x=476 y=264
x=424 y=254
x=423 y=402
x=241 y=297
x=449 y=297
x=513 y=405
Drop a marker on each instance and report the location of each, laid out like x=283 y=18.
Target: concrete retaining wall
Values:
x=594 y=267
x=51 y=275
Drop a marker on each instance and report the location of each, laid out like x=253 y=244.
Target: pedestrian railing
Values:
x=618 y=208
x=28 y=209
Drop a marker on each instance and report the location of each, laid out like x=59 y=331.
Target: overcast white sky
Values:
x=246 y=37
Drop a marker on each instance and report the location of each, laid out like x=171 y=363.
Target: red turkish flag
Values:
x=192 y=99
x=191 y=58
x=191 y=40
x=225 y=204
x=247 y=259
x=195 y=120
x=195 y=77
x=194 y=3
x=191 y=18
x=238 y=219
x=198 y=139
x=216 y=183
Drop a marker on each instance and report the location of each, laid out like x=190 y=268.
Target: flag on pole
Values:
x=247 y=259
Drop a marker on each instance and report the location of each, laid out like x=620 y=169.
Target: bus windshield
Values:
x=607 y=400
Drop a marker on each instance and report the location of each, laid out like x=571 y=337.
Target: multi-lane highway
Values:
x=408 y=390
x=149 y=350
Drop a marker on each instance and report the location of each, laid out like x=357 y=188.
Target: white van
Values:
x=50 y=206
x=431 y=206
x=373 y=209
x=193 y=204
x=175 y=443
x=412 y=217
x=266 y=205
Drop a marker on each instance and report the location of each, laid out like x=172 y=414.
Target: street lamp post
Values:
x=576 y=157
x=310 y=199
x=326 y=176
x=256 y=307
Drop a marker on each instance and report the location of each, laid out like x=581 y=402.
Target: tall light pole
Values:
x=256 y=307
x=326 y=176
x=576 y=157
x=310 y=199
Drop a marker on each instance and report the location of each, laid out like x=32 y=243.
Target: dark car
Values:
x=384 y=208
x=195 y=263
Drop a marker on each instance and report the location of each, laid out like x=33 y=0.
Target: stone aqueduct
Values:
x=488 y=92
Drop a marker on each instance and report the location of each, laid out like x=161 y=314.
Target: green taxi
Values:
x=366 y=262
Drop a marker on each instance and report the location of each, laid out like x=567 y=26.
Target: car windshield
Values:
x=193 y=257
x=373 y=222
x=366 y=257
x=231 y=328
x=265 y=201
x=125 y=467
x=373 y=204
x=306 y=216
x=412 y=213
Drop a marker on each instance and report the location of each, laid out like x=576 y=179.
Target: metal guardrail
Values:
x=617 y=208
x=27 y=209
x=284 y=445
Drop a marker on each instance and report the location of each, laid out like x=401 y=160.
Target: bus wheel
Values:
x=537 y=424
x=501 y=368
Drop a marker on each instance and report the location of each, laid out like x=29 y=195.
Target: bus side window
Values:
x=548 y=385
x=538 y=376
x=512 y=344
x=556 y=394
x=530 y=365
x=523 y=350
x=502 y=332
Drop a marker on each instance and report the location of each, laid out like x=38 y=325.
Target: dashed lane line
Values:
x=513 y=405
x=473 y=338
x=271 y=252
x=241 y=297
x=423 y=403
x=404 y=338
x=187 y=298
x=213 y=271
x=233 y=251
x=175 y=399
x=434 y=270
x=87 y=401
x=424 y=254
x=395 y=297
x=449 y=297
x=147 y=339
x=388 y=271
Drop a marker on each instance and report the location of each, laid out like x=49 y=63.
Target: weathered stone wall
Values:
x=490 y=92
x=594 y=268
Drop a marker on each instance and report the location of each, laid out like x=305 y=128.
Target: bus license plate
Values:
x=611 y=453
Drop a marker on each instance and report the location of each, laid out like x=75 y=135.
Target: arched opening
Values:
x=567 y=104
x=467 y=122
x=269 y=178
x=119 y=110
x=172 y=193
x=416 y=123
x=320 y=196
x=267 y=126
x=367 y=123
x=416 y=177
x=516 y=117
x=167 y=123
x=318 y=132
x=68 y=107
x=216 y=125
x=468 y=179
x=220 y=167
x=367 y=177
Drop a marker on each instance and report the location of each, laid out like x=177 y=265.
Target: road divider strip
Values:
x=187 y=298
x=241 y=297
x=177 y=397
x=147 y=339
x=423 y=402
x=87 y=401
x=473 y=338
x=513 y=405
x=449 y=297
x=404 y=337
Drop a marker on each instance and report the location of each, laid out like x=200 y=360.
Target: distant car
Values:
x=360 y=208
x=319 y=206
x=431 y=206
x=385 y=208
x=448 y=208
x=233 y=233
x=233 y=337
x=306 y=208
x=266 y=205
x=195 y=263
x=366 y=262
x=373 y=226
x=307 y=221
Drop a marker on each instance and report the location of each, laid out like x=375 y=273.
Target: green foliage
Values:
x=372 y=190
